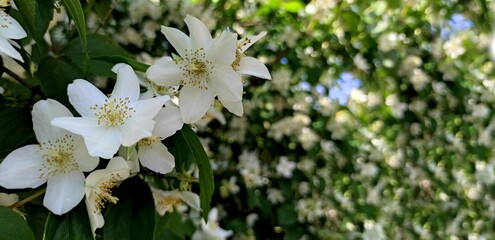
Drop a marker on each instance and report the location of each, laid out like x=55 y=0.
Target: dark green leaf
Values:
x=138 y=66
x=36 y=216
x=171 y=226
x=206 y=182
x=76 y=12
x=100 y=47
x=72 y=225
x=133 y=217
x=55 y=75
x=20 y=128
x=13 y=226
x=286 y=215
x=27 y=9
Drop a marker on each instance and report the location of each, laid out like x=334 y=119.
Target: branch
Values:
x=107 y=15
x=34 y=89
x=28 y=199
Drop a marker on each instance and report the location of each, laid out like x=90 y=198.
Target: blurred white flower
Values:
x=453 y=47
x=285 y=167
x=99 y=185
x=211 y=230
x=204 y=69
x=166 y=201
x=281 y=80
x=59 y=159
x=8 y=199
x=108 y=122
x=275 y=196
x=11 y=29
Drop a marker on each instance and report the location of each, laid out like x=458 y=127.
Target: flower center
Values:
x=196 y=68
x=4 y=4
x=146 y=142
x=114 y=112
x=169 y=202
x=58 y=156
x=103 y=192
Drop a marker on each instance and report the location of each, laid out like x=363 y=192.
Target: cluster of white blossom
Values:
x=127 y=127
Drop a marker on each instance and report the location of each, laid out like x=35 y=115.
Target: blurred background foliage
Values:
x=377 y=123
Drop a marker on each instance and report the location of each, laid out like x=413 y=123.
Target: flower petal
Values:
x=164 y=72
x=253 y=67
x=250 y=41
x=85 y=161
x=226 y=83
x=233 y=107
x=222 y=50
x=96 y=220
x=21 y=169
x=64 y=192
x=168 y=121
x=6 y=47
x=43 y=113
x=192 y=199
x=83 y=95
x=141 y=123
x=127 y=84
x=194 y=102
x=157 y=158
x=199 y=34
x=178 y=39
x=11 y=29
x=101 y=141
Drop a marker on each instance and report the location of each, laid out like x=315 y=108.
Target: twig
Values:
x=107 y=15
x=28 y=199
x=19 y=79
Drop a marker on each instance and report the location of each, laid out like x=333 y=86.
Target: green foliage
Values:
x=13 y=226
x=55 y=75
x=206 y=184
x=19 y=131
x=133 y=216
x=73 y=225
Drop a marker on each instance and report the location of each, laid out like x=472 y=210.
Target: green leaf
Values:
x=55 y=75
x=13 y=226
x=136 y=65
x=75 y=11
x=133 y=217
x=206 y=183
x=37 y=15
x=293 y=6
x=20 y=128
x=286 y=215
x=72 y=225
x=27 y=9
x=36 y=215
x=171 y=226
x=100 y=47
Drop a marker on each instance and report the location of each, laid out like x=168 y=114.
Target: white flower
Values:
x=285 y=167
x=108 y=122
x=151 y=152
x=10 y=29
x=59 y=159
x=204 y=69
x=98 y=189
x=246 y=66
x=211 y=230
x=165 y=201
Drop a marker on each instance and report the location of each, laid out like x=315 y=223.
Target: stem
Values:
x=19 y=79
x=107 y=15
x=28 y=199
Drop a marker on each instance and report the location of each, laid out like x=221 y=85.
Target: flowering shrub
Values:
x=376 y=123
